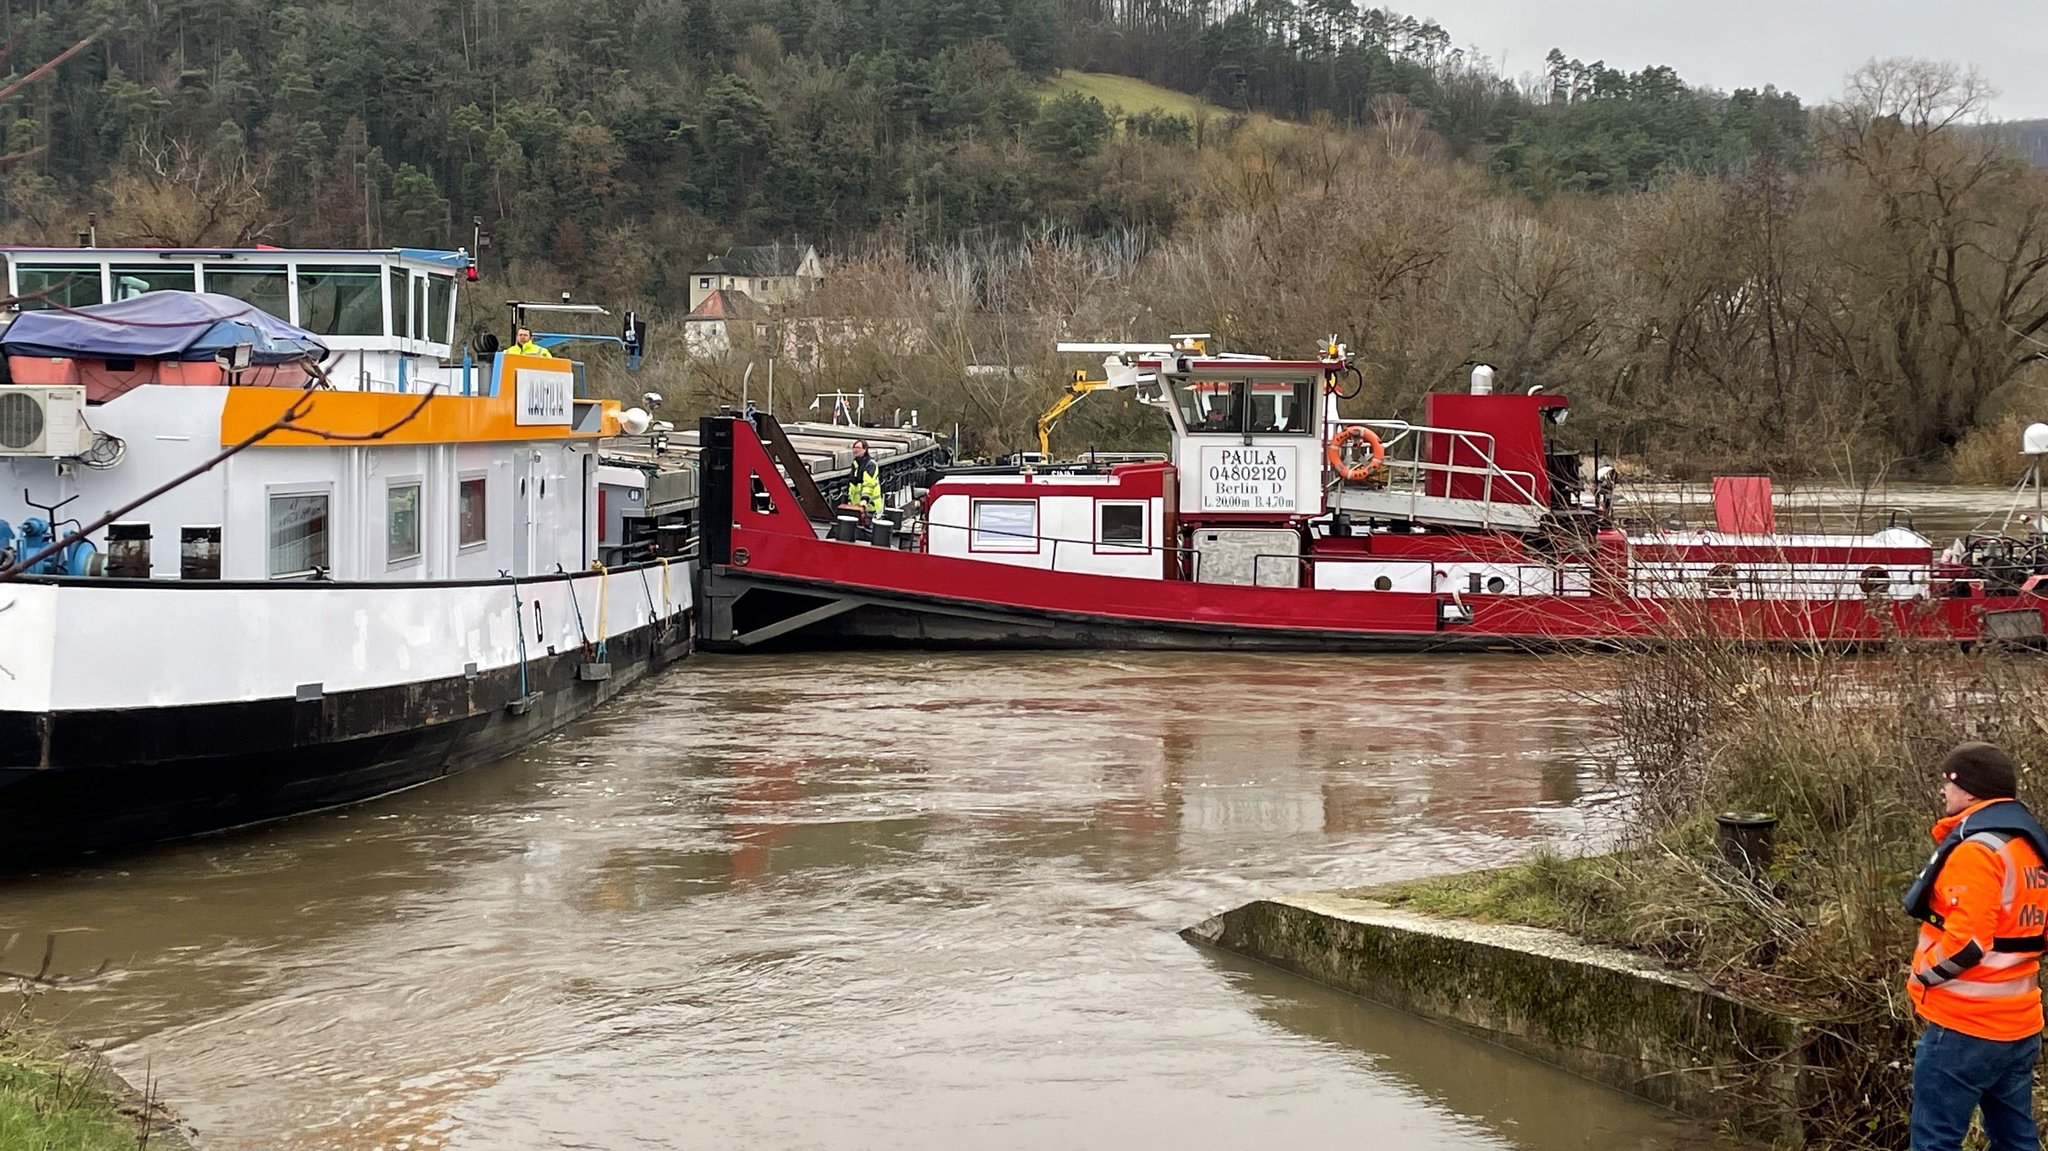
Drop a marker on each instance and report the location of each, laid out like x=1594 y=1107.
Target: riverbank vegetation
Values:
x=58 y=1096
x=1843 y=751
x=1734 y=279
x=51 y=1100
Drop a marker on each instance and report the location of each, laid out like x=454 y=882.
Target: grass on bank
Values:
x=1132 y=95
x=1128 y=97
x=50 y=1100
x=1843 y=750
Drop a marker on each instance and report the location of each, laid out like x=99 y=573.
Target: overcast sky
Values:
x=1806 y=46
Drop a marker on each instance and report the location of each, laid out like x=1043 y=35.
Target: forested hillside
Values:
x=1734 y=276
x=618 y=137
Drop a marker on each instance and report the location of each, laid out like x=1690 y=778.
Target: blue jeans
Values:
x=1954 y=1074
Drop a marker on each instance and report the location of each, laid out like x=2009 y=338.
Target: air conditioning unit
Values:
x=43 y=420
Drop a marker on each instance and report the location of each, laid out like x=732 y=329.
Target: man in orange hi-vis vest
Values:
x=1982 y=902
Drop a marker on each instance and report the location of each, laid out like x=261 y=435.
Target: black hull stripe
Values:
x=93 y=781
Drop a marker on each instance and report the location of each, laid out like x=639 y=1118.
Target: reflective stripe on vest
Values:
x=1992 y=989
x=2021 y=945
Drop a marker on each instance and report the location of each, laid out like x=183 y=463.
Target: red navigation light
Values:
x=469 y=272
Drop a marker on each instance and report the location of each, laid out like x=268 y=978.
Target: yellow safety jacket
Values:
x=529 y=348
x=864 y=490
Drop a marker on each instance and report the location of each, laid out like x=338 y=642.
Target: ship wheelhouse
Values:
x=376 y=310
x=496 y=474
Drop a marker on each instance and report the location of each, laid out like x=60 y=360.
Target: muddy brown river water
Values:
x=855 y=901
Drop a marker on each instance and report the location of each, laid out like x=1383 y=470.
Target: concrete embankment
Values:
x=1609 y=1015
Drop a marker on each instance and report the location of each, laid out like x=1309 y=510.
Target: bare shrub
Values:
x=1990 y=454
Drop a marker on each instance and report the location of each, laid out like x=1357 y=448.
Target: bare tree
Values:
x=1943 y=289
x=179 y=195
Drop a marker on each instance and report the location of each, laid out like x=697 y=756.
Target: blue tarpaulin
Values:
x=160 y=326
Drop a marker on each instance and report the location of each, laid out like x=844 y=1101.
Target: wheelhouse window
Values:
x=1255 y=406
x=72 y=287
x=402 y=522
x=440 y=309
x=401 y=303
x=1003 y=526
x=1277 y=406
x=1120 y=525
x=132 y=280
x=266 y=288
x=298 y=534
x=470 y=511
x=1211 y=405
x=341 y=301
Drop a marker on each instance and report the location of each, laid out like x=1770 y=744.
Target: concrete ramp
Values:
x=1610 y=1015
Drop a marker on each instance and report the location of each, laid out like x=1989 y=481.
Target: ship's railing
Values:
x=1792 y=581
x=1558 y=572
x=1412 y=472
x=1685 y=580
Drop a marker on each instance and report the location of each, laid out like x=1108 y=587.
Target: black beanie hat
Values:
x=1982 y=770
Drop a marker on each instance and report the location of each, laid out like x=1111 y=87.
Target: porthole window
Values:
x=1876 y=581
x=1383 y=583
x=1496 y=585
x=1721 y=580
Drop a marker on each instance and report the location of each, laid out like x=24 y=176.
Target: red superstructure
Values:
x=1278 y=525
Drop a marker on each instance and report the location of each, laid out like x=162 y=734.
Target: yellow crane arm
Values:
x=1080 y=387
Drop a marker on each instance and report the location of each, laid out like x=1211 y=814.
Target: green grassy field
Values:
x=1133 y=96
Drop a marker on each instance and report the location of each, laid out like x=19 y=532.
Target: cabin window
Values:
x=402 y=522
x=341 y=301
x=132 y=280
x=440 y=309
x=265 y=288
x=703 y=281
x=400 y=292
x=1120 y=525
x=1211 y=405
x=69 y=287
x=298 y=533
x=1277 y=407
x=1003 y=526
x=470 y=511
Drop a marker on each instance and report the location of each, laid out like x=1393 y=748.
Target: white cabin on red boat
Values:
x=1472 y=502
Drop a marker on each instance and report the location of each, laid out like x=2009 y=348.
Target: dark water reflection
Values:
x=904 y=901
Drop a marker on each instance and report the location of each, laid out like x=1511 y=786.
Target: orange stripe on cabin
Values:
x=444 y=420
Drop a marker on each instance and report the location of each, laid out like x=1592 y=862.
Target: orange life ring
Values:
x=1360 y=472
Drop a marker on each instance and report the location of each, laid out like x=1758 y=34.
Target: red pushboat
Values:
x=1276 y=524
